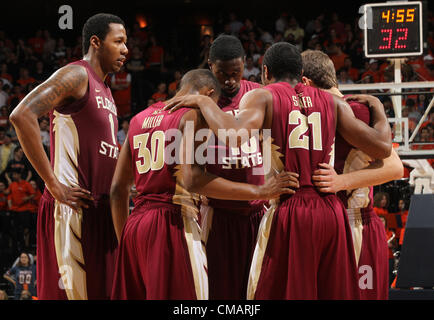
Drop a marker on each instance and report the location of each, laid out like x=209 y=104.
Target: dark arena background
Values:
x=168 y=38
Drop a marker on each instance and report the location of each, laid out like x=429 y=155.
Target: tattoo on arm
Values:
x=63 y=86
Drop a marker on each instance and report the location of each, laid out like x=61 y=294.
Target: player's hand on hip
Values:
x=188 y=101
x=75 y=197
x=363 y=98
x=327 y=180
x=282 y=183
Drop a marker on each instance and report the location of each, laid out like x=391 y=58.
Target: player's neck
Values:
x=335 y=91
x=96 y=66
x=292 y=82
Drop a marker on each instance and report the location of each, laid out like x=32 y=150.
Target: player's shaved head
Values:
x=318 y=67
x=283 y=60
x=198 y=79
x=226 y=47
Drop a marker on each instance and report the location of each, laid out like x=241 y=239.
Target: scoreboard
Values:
x=393 y=29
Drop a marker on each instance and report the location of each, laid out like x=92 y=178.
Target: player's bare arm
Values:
x=64 y=86
x=197 y=180
x=375 y=142
x=251 y=116
x=378 y=116
x=378 y=172
x=123 y=180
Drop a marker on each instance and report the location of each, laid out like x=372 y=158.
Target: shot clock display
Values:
x=393 y=29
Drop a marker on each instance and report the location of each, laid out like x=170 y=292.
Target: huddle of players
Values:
x=174 y=245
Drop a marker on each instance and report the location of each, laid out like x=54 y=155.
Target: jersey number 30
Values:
x=297 y=137
x=150 y=159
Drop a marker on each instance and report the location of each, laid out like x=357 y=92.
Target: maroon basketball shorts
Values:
x=75 y=250
x=230 y=242
x=371 y=252
x=304 y=251
x=160 y=256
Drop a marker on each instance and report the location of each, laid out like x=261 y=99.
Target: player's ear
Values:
x=95 y=42
x=306 y=81
x=210 y=92
x=267 y=75
x=210 y=64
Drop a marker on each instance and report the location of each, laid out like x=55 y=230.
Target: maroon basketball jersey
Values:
x=237 y=164
x=83 y=138
x=303 y=129
x=349 y=159
x=150 y=135
x=230 y=104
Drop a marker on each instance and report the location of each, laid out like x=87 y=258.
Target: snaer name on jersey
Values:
x=305 y=102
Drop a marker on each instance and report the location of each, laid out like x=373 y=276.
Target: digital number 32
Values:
x=388 y=38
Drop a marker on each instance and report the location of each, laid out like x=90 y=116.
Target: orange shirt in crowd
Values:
x=25 y=82
x=173 y=85
x=19 y=190
x=402 y=231
x=158 y=96
x=376 y=76
x=381 y=211
x=338 y=60
x=354 y=74
x=122 y=97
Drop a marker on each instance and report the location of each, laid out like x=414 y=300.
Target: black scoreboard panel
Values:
x=393 y=29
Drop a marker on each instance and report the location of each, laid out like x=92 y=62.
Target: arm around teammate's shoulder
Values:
x=378 y=172
x=374 y=141
x=196 y=180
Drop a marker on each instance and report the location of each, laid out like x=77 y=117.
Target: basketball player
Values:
x=230 y=227
x=75 y=235
x=161 y=255
x=304 y=248
x=369 y=238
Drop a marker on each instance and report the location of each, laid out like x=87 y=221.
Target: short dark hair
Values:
x=283 y=60
x=318 y=67
x=200 y=78
x=226 y=47
x=98 y=25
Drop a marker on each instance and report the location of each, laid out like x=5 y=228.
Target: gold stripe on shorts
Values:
x=258 y=256
x=197 y=255
x=69 y=251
